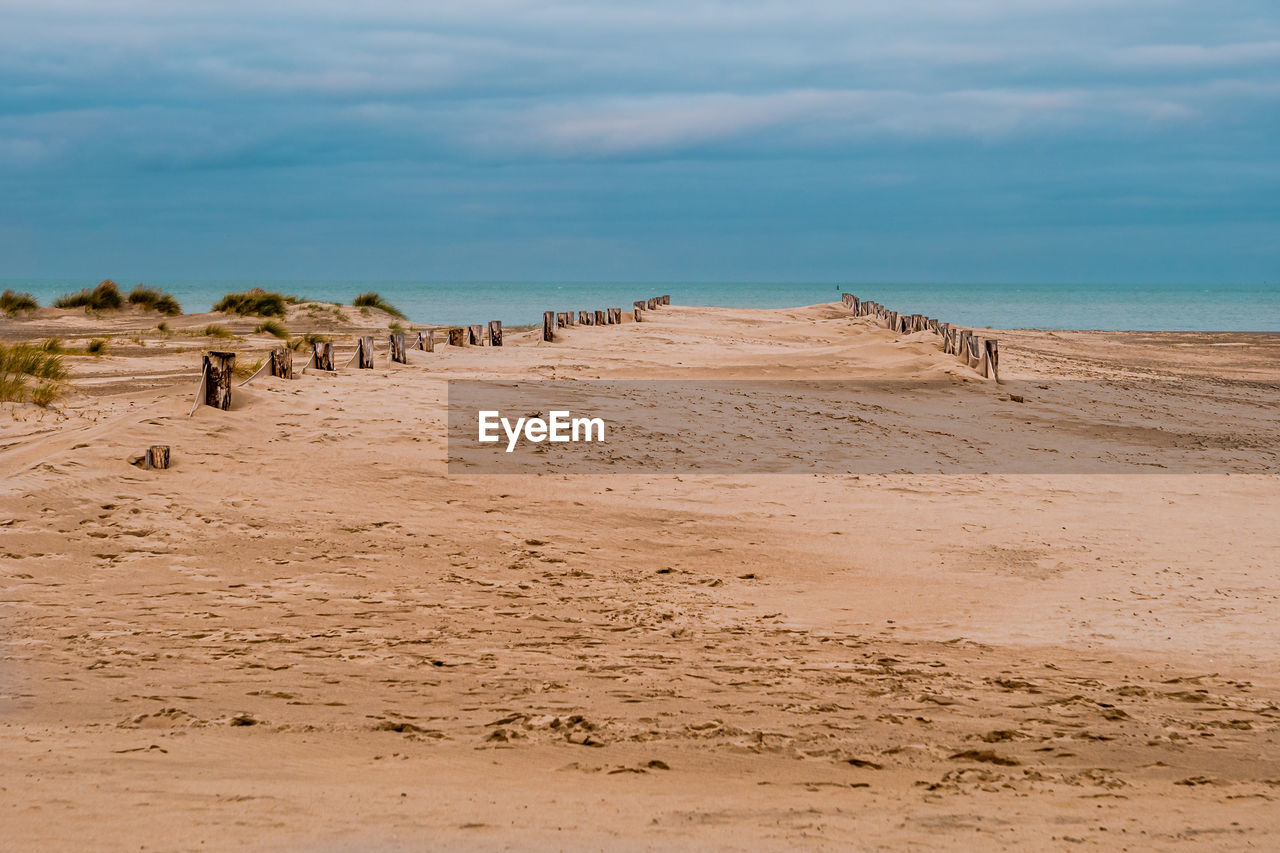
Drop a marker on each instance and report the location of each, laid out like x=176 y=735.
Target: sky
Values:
x=953 y=140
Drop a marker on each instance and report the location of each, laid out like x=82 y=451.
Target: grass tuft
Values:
x=12 y=302
x=213 y=330
x=256 y=301
x=105 y=297
x=97 y=346
x=151 y=299
x=20 y=363
x=373 y=300
x=273 y=327
x=245 y=369
x=306 y=341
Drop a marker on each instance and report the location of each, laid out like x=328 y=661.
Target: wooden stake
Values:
x=457 y=336
x=993 y=357
x=666 y=299
x=584 y=318
x=615 y=315
x=599 y=321
x=364 y=353
x=322 y=355
x=548 y=326
x=282 y=362
x=475 y=335
x=157 y=456
x=651 y=304
x=424 y=342
x=396 y=346
x=495 y=333
x=218 y=367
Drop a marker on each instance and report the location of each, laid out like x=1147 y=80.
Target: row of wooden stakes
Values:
x=982 y=354
x=218 y=367
x=552 y=320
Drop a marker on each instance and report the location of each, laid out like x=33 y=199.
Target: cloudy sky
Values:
x=1002 y=140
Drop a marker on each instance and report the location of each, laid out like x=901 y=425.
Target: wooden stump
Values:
x=568 y=318
x=638 y=309
x=562 y=319
x=584 y=319
x=548 y=326
x=615 y=316
x=475 y=335
x=424 y=342
x=218 y=367
x=282 y=362
x=457 y=336
x=599 y=321
x=666 y=299
x=651 y=304
x=993 y=357
x=495 y=333
x=396 y=346
x=364 y=352
x=157 y=456
x=322 y=355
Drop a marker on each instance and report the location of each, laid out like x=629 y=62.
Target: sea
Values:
x=1140 y=307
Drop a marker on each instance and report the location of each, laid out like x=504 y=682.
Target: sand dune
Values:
x=308 y=634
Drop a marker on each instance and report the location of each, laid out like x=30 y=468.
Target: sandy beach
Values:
x=308 y=634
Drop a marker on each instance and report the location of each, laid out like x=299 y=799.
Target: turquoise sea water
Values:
x=1148 y=307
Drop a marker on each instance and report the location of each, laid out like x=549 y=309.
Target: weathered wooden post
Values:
x=651 y=304
x=666 y=299
x=218 y=367
x=364 y=352
x=424 y=342
x=638 y=308
x=322 y=355
x=475 y=335
x=615 y=315
x=495 y=333
x=993 y=357
x=568 y=317
x=548 y=326
x=457 y=336
x=584 y=319
x=157 y=456
x=599 y=321
x=396 y=346
x=282 y=362
x=562 y=319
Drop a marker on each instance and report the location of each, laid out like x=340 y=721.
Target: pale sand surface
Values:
x=307 y=636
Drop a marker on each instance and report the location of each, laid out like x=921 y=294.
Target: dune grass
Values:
x=22 y=363
x=153 y=299
x=97 y=346
x=12 y=302
x=213 y=330
x=256 y=302
x=373 y=300
x=244 y=369
x=273 y=327
x=105 y=297
x=306 y=340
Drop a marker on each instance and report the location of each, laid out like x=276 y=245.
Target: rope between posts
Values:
x=200 y=392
